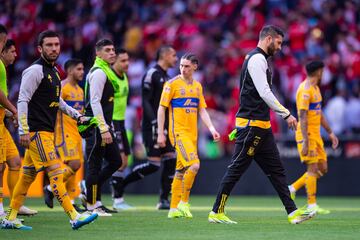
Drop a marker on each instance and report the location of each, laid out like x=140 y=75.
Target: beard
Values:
x=51 y=58
x=271 y=49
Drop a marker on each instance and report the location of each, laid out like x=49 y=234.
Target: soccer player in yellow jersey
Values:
x=10 y=153
x=309 y=142
x=183 y=96
x=67 y=138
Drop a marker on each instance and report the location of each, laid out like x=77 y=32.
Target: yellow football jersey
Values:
x=65 y=125
x=309 y=98
x=184 y=101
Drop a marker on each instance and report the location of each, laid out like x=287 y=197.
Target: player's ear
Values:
x=39 y=48
x=195 y=67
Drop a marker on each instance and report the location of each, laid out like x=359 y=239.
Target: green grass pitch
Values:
x=257 y=217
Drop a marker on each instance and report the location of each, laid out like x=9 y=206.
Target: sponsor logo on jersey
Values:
x=189 y=103
x=54 y=104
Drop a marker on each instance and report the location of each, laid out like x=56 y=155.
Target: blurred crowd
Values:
x=220 y=32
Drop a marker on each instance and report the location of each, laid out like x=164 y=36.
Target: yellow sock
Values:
x=11 y=214
x=311 y=189
x=176 y=189
x=71 y=187
x=12 y=178
x=68 y=172
x=189 y=178
x=1 y=195
x=221 y=208
x=300 y=182
x=59 y=191
x=19 y=194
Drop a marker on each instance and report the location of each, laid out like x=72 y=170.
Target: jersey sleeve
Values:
x=30 y=81
x=202 y=103
x=257 y=66
x=304 y=99
x=64 y=92
x=167 y=94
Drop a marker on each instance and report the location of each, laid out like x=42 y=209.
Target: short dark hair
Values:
x=46 y=34
x=3 y=29
x=102 y=43
x=9 y=43
x=270 y=30
x=161 y=51
x=313 y=66
x=73 y=62
x=120 y=51
x=191 y=57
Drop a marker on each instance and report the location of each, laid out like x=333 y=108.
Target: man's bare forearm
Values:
x=325 y=124
x=304 y=124
x=4 y=101
x=161 y=119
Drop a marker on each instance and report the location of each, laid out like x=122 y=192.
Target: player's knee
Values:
x=312 y=169
x=14 y=163
x=74 y=165
x=195 y=167
x=179 y=174
x=322 y=172
x=52 y=168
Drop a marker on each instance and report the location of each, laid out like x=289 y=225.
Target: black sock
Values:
x=117 y=185
x=167 y=176
x=140 y=171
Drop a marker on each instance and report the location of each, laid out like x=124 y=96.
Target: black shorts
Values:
x=121 y=137
x=152 y=150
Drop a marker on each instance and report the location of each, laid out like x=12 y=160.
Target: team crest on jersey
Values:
x=182 y=91
x=72 y=95
x=50 y=78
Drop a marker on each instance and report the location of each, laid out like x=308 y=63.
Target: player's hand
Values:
x=334 y=140
x=161 y=140
x=25 y=140
x=305 y=148
x=106 y=138
x=215 y=134
x=83 y=119
x=13 y=117
x=292 y=122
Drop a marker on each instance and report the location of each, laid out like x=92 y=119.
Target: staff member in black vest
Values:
x=101 y=83
x=254 y=137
